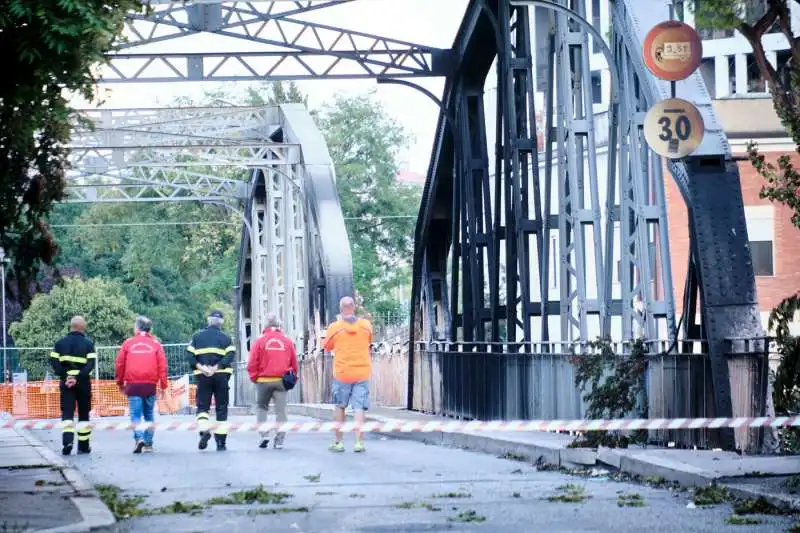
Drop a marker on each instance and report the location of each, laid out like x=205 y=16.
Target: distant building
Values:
x=411 y=178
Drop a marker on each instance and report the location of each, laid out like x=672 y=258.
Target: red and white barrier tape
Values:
x=403 y=426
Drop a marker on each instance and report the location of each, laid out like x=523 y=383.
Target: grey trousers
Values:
x=265 y=393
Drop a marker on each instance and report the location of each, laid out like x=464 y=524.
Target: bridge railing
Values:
x=488 y=381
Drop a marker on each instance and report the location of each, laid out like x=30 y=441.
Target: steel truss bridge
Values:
x=490 y=219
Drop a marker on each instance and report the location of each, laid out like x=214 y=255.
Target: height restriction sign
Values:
x=674 y=128
x=672 y=50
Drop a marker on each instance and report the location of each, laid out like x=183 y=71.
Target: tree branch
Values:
x=785 y=23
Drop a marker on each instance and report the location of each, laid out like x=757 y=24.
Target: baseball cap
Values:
x=216 y=314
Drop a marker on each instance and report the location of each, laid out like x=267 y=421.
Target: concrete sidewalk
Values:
x=40 y=492
x=746 y=476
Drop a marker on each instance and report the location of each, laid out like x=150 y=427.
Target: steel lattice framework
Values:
x=278 y=45
x=495 y=226
x=271 y=160
x=523 y=208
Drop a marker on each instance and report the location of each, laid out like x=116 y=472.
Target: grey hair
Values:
x=143 y=323
x=346 y=301
x=77 y=323
x=215 y=321
x=272 y=321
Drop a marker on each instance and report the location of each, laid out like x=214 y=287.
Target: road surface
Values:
x=397 y=486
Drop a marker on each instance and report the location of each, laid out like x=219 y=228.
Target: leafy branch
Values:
x=613 y=385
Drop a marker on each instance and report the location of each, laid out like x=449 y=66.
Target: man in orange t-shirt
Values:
x=349 y=339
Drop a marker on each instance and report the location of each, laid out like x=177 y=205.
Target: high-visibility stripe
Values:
x=68 y=429
x=84 y=427
x=73 y=372
x=268 y=380
x=55 y=355
x=202 y=415
x=219 y=371
x=230 y=348
x=221 y=429
x=205 y=351
x=83 y=438
x=91 y=355
x=74 y=359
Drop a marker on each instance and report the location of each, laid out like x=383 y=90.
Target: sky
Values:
x=427 y=22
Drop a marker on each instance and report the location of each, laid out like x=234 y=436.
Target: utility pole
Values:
x=6 y=373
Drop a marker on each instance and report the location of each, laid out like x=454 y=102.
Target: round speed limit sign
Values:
x=674 y=128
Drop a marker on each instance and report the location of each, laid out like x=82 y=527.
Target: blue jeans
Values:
x=142 y=407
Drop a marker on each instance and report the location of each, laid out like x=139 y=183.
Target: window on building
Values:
x=761 y=252
x=761 y=234
x=731 y=75
x=755 y=81
x=596 y=24
x=597 y=87
x=754 y=10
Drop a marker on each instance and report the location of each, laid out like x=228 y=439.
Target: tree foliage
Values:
x=174 y=261
x=49 y=50
x=364 y=142
x=101 y=302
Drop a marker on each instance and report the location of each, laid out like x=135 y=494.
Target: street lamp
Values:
x=6 y=373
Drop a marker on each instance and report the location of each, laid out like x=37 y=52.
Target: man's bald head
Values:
x=77 y=323
x=347 y=306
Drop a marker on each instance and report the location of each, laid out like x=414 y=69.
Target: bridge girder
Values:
x=279 y=46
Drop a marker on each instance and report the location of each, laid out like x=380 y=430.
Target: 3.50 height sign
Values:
x=673 y=128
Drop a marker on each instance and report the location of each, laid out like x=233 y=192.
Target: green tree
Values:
x=169 y=270
x=364 y=142
x=49 y=49
x=101 y=302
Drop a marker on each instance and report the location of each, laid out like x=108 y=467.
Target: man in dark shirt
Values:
x=73 y=359
x=211 y=353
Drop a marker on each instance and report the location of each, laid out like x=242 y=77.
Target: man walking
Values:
x=73 y=359
x=141 y=367
x=272 y=356
x=211 y=354
x=349 y=339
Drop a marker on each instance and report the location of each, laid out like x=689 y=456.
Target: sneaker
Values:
x=148 y=448
x=139 y=446
x=358 y=448
x=264 y=443
x=66 y=450
x=205 y=436
x=337 y=447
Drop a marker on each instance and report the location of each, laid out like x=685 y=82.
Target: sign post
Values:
x=673 y=128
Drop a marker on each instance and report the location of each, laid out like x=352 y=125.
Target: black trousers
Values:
x=217 y=386
x=79 y=394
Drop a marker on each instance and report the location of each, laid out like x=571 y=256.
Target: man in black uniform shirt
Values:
x=211 y=354
x=73 y=359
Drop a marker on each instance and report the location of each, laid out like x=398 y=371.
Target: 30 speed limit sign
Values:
x=674 y=128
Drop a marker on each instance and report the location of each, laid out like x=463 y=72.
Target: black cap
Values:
x=216 y=314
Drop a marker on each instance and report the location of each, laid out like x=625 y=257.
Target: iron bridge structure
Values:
x=525 y=214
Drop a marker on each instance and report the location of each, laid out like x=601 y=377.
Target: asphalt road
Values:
x=397 y=486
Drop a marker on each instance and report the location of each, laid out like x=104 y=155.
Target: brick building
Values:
x=774 y=241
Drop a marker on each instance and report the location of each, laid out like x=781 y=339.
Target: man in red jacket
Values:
x=141 y=367
x=272 y=355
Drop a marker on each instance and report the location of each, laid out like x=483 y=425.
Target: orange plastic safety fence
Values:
x=41 y=399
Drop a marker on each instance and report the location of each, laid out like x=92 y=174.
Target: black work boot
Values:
x=83 y=447
x=66 y=443
x=220 y=442
x=205 y=436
